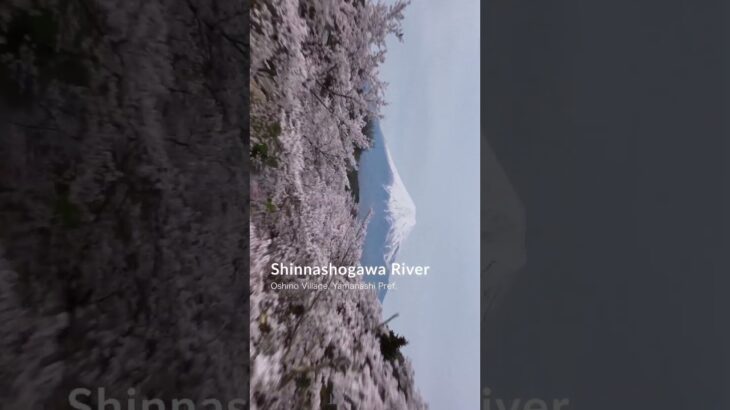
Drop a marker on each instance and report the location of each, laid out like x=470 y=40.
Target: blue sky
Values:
x=432 y=130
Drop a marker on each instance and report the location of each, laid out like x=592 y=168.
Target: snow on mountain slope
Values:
x=401 y=211
x=384 y=198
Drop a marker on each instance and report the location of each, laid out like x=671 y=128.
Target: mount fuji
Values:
x=385 y=200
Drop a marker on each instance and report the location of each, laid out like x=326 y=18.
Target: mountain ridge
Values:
x=385 y=200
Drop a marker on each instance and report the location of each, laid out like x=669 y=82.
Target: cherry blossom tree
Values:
x=314 y=87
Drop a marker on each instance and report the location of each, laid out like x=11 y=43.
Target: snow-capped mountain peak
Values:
x=401 y=213
x=384 y=198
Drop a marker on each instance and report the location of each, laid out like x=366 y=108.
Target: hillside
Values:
x=314 y=83
x=123 y=194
